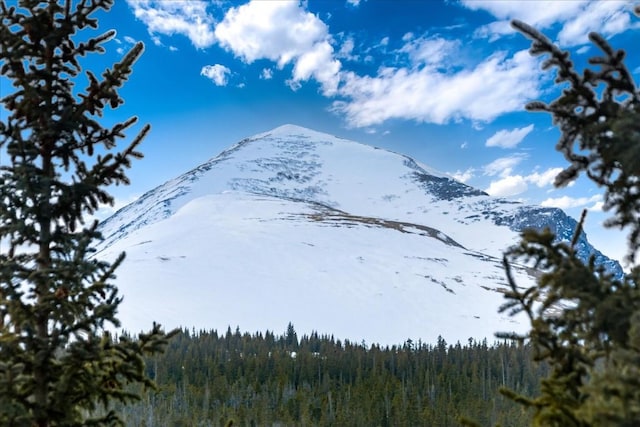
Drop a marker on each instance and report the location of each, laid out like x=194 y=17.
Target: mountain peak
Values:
x=289 y=128
x=294 y=225
x=293 y=130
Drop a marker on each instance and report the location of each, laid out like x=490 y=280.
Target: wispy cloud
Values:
x=125 y=44
x=544 y=179
x=503 y=165
x=346 y=50
x=354 y=3
x=566 y=202
x=541 y=13
x=464 y=176
x=497 y=85
x=508 y=138
x=578 y=17
x=583 y=50
x=605 y=17
x=509 y=183
x=216 y=73
x=506 y=182
x=434 y=52
x=189 y=18
x=266 y=74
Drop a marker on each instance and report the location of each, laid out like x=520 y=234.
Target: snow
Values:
x=259 y=263
x=293 y=225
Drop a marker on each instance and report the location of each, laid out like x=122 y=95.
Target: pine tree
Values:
x=58 y=364
x=585 y=323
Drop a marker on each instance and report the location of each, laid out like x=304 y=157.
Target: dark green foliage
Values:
x=207 y=379
x=598 y=117
x=57 y=363
x=585 y=324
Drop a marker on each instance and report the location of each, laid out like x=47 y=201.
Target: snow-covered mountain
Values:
x=294 y=225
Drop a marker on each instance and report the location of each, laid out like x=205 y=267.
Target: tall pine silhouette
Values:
x=58 y=365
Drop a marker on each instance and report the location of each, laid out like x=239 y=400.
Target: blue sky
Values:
x=442 y=81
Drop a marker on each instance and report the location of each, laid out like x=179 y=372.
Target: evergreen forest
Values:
x=206 y=378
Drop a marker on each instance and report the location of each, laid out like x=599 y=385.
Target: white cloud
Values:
x=354 y=3
x=346 y=50
x=566 y=202
x=217 y=73
x=545 y=178
x=579 y=17
x=503 y=165
x=464 y=145
x=583 y=50
x=495 y=86
x=125 y=44
x=430 y=51
x=266 y=74
x=463 y=176
x=508 y=138
x=494 y=30
x=294 y=85
x=189 y=18
x=606 y=17
x=597 y=206
x=510 y=185
x=319 y=64
x=285 y=33
x=540 y=13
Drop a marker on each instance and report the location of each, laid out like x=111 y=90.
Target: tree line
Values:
x=206 y=378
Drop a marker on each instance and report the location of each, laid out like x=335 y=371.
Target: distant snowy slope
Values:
x=294 y=225
x=299 y=164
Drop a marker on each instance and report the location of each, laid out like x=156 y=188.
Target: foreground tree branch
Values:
x=585 y=323
x=57 y=302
